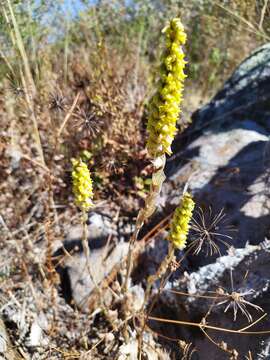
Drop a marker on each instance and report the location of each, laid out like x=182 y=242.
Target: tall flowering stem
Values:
x=83 y=193
x=164 y=110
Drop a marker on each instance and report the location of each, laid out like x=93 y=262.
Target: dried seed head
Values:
x=57 y=101
x=15 y=87
x=208 y=231
x=88 y=122
x=236 y=300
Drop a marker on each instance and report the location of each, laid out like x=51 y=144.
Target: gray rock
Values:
x=245 y=95
x=99 y=228
x=228 y=273
x=82 y=283
x=76 y=282
x=228 y=171
x=264 y=353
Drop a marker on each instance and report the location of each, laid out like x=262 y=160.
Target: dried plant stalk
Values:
x=158 y=178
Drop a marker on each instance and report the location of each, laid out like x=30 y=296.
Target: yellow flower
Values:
x=180 y=223
x=164 y=107
x=82 y=185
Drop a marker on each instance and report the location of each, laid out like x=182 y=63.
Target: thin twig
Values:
x=263 y=15
x=68 y=115
x=188 y=323
x=160 y=273
x=44 y=167
x=158 y=177
x=194 y=295
x=222 y=346
x=254 y=322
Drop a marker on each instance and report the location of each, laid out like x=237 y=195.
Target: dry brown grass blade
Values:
x=7 y=62
x=36 y=163
x=30 y=105
x=254 y=322
x=263 y=15
x=20 y=45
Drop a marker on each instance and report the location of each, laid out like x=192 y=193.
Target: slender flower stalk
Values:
x=164 y=110
x=83 y=193
x=179 y=228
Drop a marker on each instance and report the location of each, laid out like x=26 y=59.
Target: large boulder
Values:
x=79 y=276
x=244 y=96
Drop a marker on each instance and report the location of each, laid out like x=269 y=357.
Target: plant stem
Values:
x=20 y=45
x=150 y=282
x=86 y=249
x=158 y=178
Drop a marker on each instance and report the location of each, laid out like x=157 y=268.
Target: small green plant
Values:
x=142 y=186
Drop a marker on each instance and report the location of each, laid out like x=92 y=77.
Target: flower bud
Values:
x=164 y=107
x=180 y=223
x=82 y=185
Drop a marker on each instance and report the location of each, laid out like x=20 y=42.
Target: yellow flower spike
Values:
x=164 y=108
x=82 y=185
x=180 y=222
